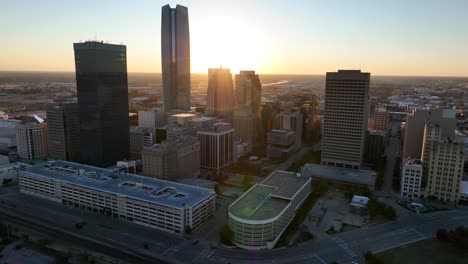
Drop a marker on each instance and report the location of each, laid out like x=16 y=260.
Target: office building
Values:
x=102 y=88
x=248 y=90
x=281 y=144
x=245 y=126
x=31 y=138
x=414 y=130
x=259 y=217
x=411 y=178
x=175 y=57
x=220 y=97
x=290 y=118
x=63 y=131
x=140 y=137
x=374 y=146
x=442 y=160
x=8 y=133
x=158 y=204
x=381 y=119
x=202 y=122
x=150 y=119
x=345 y=118
x=247 y=115
x=172 y=159
x=217 y=147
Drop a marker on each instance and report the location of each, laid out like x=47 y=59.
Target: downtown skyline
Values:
x=421 y=38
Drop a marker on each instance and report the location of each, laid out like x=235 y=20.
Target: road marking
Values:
x=345 y=246
x=319 y=258
x=167 y=250
x=211 y=253
x=421 y=234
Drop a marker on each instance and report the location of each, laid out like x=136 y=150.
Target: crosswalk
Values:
x=342 y=244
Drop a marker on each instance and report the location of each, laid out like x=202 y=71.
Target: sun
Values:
x=231 y=42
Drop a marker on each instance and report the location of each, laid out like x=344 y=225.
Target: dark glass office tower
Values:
x=175 y=57
x=102 y=86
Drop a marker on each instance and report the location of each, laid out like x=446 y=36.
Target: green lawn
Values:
x=429 y=251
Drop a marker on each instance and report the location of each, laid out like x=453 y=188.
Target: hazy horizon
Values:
x=390 y=38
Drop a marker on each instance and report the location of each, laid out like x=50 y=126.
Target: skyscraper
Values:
x=175 y=57
x=247 y=115
x=220 y=98
x=345 y=118
x=248 y=90
x=63 y=133
x=102 y=87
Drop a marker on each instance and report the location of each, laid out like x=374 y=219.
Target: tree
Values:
x=246 y=182
x=442 y=234
x=217 y=190
x=321 y=187
x=226 y=234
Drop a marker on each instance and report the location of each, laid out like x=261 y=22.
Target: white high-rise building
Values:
x=411 y=178
x=31 y=138
x=345 y=118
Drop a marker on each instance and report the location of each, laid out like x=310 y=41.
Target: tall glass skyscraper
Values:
x=102 y=86
x=220 y=98
x=175 y=57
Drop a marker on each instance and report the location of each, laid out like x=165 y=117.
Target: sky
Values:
x=385 y=37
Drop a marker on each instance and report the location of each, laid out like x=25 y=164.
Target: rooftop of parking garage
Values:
x=270 y=197
x=122 y=184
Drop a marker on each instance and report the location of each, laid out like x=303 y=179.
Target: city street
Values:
x=392 y=150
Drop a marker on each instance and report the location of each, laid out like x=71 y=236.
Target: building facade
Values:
x=31 y=139
x=139 y=138
x=172 y=159
x=175 y=57
x=345 y=118
x=443 y=161
x=259 y=217
x=63 y=132
x=102 y=88
x=162 y=205
x=217 y=147
x=411 y=178
x=248 y=90
x=281 y=144
x=381 y=119
x=150 y=119
x=414 y=130
x=290 y=118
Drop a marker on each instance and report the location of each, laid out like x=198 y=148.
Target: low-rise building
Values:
x=259 y=217
x=411 y=178
x=172 y=159
x=342 y=176
x=167 y=206
x=281 y=143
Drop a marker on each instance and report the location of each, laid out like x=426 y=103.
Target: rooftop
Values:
x=268 y=198
x=339 y=174
x=152 y=190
